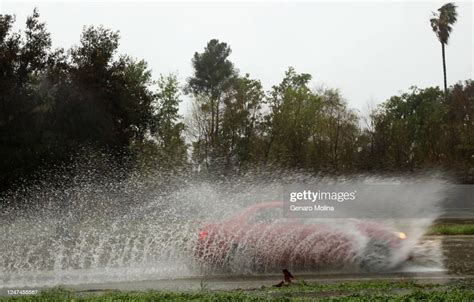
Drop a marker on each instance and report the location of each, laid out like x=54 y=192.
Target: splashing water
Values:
x=141 y=229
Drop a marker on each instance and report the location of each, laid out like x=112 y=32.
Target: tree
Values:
x=164 y=148
x=168 y=130
x=55 y=104
x=459 y=124
x=106 y=99
x=337 y=133
x=241 y=118
x=213 y=76
x=442 y=23
x=212 y=82
x=24 y=59
x=294 y=110
x=409 y=130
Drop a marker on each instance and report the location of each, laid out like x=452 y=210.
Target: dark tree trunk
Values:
x=212 y=119
x=216 y=137
x=444 y=70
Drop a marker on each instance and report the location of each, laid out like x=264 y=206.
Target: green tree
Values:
x=164 y=149
x=442 y=25
x=105 y=101
x=168 y=129
x=293 y=112
x=53 y=104
x=212 y=82
x=24 y=58
x=241 y=118
x=410 y=130
x=459 y=124
x=336 y=133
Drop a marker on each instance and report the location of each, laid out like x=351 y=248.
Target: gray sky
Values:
x=369 y=50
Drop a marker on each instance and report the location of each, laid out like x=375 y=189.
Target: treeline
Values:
x=236 y=124
x=56 y=103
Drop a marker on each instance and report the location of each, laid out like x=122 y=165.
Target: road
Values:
x=459 y=264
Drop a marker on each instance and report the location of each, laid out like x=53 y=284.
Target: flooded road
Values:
x=73 y=243
x=458 y=254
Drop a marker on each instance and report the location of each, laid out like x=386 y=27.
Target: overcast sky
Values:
x=369 y=50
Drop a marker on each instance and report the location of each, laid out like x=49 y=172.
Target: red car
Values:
x=259 y=239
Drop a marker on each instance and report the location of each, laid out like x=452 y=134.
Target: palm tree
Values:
x=441 y=23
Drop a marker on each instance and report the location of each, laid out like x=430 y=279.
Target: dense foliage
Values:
x=57 y=104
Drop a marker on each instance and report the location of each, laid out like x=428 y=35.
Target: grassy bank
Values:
x=452 y=229
x=302 y=291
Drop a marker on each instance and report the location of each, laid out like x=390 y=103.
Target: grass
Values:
x=452 y=229
x=302 y=291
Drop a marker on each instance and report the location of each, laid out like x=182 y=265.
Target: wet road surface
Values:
x=458 y=261
x=458 y=254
